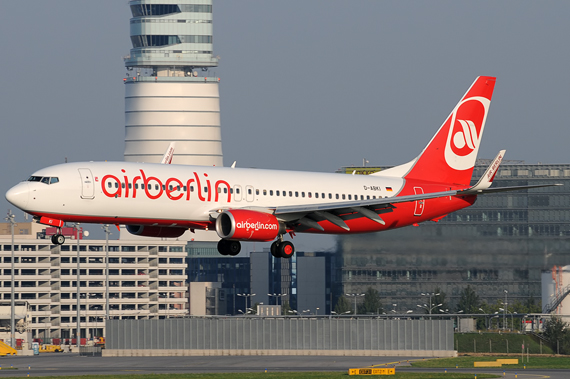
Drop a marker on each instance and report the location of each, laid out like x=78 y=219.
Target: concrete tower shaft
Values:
x=168 y=95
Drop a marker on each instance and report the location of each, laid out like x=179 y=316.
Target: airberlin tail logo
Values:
x=465 y=131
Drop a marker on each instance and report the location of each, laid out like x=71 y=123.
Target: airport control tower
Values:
x=169 y=96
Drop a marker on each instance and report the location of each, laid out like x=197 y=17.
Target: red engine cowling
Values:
x=246 y=225
x=155 y=231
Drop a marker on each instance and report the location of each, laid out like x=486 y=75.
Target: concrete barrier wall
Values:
x=282 y=335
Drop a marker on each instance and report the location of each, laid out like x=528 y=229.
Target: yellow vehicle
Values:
x=50 y=349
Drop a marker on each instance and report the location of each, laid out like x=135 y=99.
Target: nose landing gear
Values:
x=58 y=239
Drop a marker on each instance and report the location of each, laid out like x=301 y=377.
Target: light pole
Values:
x=10 y=218
x=107 y=232
x=505 y=310
x=278 y=296
x=429 y=309
x=247 y=295
x=458 y=312
x=355 y=295
x=430 y=294
x=78 y=334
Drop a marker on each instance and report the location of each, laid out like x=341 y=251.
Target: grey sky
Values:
x=305 y=85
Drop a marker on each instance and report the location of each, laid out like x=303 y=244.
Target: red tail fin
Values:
x=450 y=155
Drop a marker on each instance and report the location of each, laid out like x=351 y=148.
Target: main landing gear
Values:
x=58 y=239
x=282 y=249
x=227 y=247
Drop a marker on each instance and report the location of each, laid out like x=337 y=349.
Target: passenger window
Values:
x=117 y=185
x=149 y=186
x=257 y=192
x=276 y=193
x=323 y=195
x=337 y=197
x=316 y=195
x=349 y=197
x=206 y=189
x=264 y=192
x=302 y=194
x=310 y=195
x=156 y=187
x=237 y=190
x=270 y=192
x=290 y=193
x=249 y=191
x=130 y=185
x=367 y=197
x=191 y=188
x=343 y=196
x=330 y=195
x=296 y=194
x=219 y=189
x=184 y=188
x=54 y=180
x=225 y=190
x=109 y=184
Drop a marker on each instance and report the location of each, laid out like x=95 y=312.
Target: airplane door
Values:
x=237 y=193
x=87 y=184
x=249 y=196
x=420 y=204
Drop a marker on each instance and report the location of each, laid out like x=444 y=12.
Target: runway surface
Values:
x=72 y=364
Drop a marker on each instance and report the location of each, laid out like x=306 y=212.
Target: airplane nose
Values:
x=19 y=195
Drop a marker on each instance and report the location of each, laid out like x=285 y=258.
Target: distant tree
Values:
x=371 y=303
x=557 y=334
x=285 y=308
x=342 y=306
x=532 y=306
x=469 y=301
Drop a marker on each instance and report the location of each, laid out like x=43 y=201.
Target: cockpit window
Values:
x=44 y=179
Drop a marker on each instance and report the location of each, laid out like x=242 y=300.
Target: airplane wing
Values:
x=302 y=217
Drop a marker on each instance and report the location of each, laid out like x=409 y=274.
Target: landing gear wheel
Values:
x=226 y=247
x=57 y=239
x=287 y=249
x=234 y=247
x=275 y=249
x=223 y=247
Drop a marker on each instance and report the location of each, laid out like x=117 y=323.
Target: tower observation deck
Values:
x=169 y=96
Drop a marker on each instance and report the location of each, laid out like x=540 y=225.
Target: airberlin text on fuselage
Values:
x=172 y=187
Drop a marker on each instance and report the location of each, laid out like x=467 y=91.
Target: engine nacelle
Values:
x=247 y=225
x=156 y=231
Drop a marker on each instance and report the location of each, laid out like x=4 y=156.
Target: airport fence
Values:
x=280 y=333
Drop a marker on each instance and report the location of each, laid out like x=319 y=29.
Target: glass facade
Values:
x=503 y=242
x=180 y=33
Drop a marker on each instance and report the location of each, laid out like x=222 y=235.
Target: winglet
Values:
x=167 y=158
x=487 y=178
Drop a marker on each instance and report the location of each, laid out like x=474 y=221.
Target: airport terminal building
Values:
x=503 y=242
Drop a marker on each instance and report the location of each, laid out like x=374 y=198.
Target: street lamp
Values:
x=505 y=310
x=429 y=309
x=278 y=296
x=247 y=295
x=10 y=218
x=355 y=295
x=430 y=295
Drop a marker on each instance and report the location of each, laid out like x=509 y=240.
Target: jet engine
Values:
x=155 y=231
x=248 y=225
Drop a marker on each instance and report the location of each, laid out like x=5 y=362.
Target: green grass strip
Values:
x=467 y=362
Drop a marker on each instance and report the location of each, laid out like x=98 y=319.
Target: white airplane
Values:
x=165 y=200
